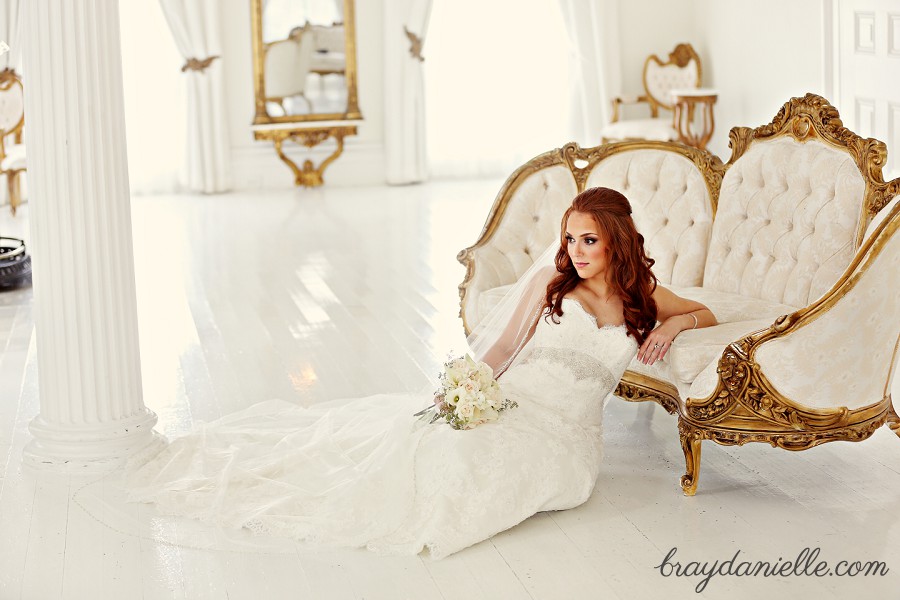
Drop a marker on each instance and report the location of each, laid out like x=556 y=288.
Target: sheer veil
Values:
x=504 y=335
x=300 y=472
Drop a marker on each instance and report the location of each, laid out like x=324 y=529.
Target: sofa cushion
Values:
x=645 y=129
x=737 y=315
x=787 y=221
x=693 y=350
x=14 y=159
x=730 y=308
x=670 y=205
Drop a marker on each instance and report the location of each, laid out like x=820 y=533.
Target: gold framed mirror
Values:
x=304 y=61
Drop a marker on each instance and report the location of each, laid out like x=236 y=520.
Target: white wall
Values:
x=651 y=27
x=255 y=164
x=758 y=55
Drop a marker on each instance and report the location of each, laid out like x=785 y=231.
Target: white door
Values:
x=868 y=73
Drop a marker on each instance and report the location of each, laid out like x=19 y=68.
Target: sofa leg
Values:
x=14 y=191
x=690 y=444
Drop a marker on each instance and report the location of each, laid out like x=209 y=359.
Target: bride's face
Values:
x=586 y=247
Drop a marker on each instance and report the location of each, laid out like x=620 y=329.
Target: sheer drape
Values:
x=497 y=85
x=154 y=100
x=592 y=26
x=404 y=106
x=195 y=27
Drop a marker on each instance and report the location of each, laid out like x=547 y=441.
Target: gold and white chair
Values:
x=681 y=71
x=287 y=67
x=12 y=120
x=329 y=55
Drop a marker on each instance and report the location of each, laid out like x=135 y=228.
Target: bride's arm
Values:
x=675 y=314
x=517 y=327
x=513 y=339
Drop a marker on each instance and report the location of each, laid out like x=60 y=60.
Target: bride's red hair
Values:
x=630 y=271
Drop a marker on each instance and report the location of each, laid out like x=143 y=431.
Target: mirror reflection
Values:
x=305 y=61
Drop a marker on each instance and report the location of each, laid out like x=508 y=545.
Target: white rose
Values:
x=481 y=401
x=465 y=410
x=470 y=386
x=485 y=374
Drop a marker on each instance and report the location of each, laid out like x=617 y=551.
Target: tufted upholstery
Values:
x=787 y=221
x=788 y=237
x=785 y=229
x=671 y=208
x=530 y=224
x=671 y=204
x=661 y=79
x=12 y=106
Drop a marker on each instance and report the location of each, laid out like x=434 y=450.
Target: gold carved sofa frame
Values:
x=740 y=403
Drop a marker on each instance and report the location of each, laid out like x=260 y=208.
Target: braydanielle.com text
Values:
x=807 y=563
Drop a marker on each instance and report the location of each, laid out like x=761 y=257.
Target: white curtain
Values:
x=10 y=18
x=195 y=27
x=155 y=119
x=593 y=31
x=404 y=106
x=497 y=85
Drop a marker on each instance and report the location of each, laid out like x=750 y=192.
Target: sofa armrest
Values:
x=620 y=100
x=521 y=225
x=812 y=366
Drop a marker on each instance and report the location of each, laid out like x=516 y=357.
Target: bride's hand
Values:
x=658 y=342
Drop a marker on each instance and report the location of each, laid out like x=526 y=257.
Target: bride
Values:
x=366 y=473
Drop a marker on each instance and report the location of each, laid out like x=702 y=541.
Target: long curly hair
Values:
x=630 y=273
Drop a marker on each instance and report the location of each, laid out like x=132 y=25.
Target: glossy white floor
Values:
x=312 y=295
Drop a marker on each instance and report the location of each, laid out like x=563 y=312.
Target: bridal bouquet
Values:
x=469 y=395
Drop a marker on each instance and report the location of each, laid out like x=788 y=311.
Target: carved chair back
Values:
x=682 y=70
x=794 y=204
x=12 y=110
x=287 y=66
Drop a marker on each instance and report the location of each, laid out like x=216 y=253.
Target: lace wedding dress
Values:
x=365 y=472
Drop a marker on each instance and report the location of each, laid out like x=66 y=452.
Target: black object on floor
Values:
x=15 y=264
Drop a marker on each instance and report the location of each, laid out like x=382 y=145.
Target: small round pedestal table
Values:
x=693 y=131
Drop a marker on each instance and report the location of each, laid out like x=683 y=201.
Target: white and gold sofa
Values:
x=791 y=244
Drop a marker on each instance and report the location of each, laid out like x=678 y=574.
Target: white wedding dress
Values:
x=365 y=472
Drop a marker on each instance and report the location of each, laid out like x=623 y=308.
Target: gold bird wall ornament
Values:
x=195 y=64
x=415 y=44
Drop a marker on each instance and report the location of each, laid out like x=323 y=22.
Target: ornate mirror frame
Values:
x=262 y=117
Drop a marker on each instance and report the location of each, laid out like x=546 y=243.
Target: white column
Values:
x=92 y=413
